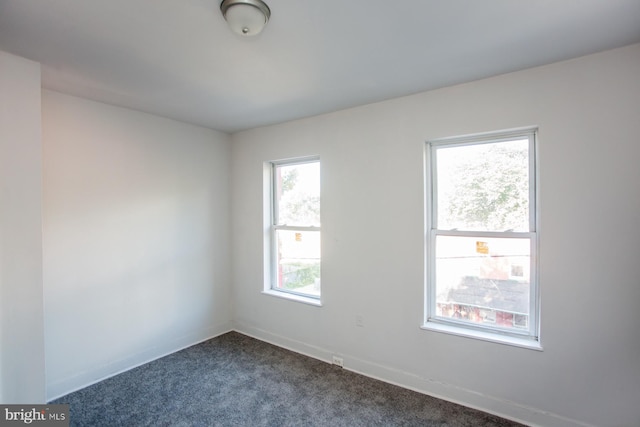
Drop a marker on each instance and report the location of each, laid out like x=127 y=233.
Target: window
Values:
x=481 y=237
x=295 y=228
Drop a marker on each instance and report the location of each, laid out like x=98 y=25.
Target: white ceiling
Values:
x=178 y=58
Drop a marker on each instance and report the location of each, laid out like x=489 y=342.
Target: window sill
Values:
x=481 y=335
x=293 y=297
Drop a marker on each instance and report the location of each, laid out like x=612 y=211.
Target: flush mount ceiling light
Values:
x=245 y=17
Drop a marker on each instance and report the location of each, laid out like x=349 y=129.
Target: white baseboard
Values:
x=503 y=408
x=79 y=381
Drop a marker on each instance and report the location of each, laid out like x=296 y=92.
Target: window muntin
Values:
x=482 y=242
x=296 y=227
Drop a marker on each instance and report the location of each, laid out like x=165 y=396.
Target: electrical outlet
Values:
x=359 y=320
x=338 y=361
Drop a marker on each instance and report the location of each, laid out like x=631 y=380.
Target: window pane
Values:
x=483 y=280
x=298 y=194
x=483 y=186
x=298 y=263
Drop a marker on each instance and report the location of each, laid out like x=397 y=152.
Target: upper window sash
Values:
x=275 y=208
x=528 y=133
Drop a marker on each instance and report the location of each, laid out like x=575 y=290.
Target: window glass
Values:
x=298 y=265
x=483 y=186
x=298 y=194
x=476 y=281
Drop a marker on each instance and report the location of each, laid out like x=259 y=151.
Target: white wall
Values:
x=22 y=376
x=136 y=238
x=587 y=111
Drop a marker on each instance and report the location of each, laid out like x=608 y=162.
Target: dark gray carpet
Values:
x=235 y=380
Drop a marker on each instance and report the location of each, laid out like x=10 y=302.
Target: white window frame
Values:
x=528 y=338
x=271 y=287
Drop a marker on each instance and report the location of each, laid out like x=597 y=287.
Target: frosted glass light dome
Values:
x=245 y=17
